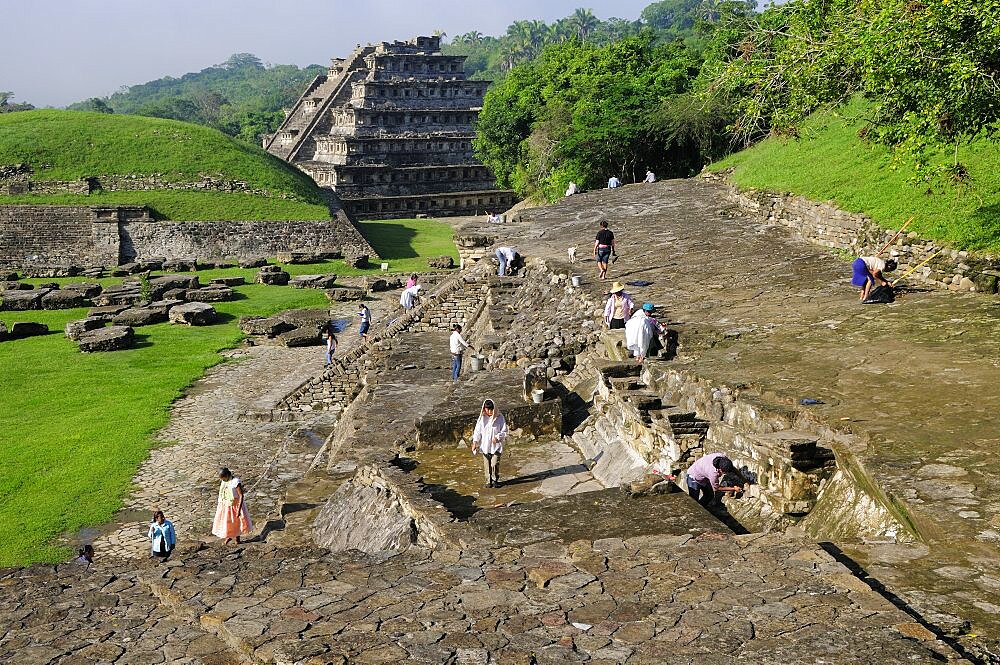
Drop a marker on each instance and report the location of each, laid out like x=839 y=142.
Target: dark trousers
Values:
x=491 y=467
x=456 y=366
x=617 y=324
x=703 y=494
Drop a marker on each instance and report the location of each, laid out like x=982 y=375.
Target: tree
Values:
x=95 y=105
x=243 y=61
x=585 y=22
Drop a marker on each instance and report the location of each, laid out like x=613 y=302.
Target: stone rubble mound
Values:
x=272 y=275
x=75 y=329
x=441 y=262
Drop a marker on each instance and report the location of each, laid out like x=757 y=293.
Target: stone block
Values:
x=357 y=261
x=87 y=289
x=228 y=281
x=52 y=271
x=105 y=313
x=75 y=329
x=264 y=326
x=211 y=294
x=64 y=299
x=295 y=257
x=114 y=338
x=273 y=277
x=19 y=301
x=139 y=316
x=441 y=262
x=152 y=263
x=158 y=286
x=253 y=263
x=8 y=276
x=180 y=265
x=375 y=284
x=986 y=283
x=345 y=294
x=193 y=314
x=124 y=294
x=22 y=329
x=313 y=281
x=307 y=336
x=16 y=286
x=164 y=305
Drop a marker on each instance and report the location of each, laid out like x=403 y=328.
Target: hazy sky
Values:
x=55 y=52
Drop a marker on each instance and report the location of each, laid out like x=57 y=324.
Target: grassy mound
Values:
x=831 y=163
x=68 y=145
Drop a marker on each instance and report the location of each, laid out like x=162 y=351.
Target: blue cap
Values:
x=648 y=307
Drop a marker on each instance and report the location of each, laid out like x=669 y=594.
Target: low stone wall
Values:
x=16 y=180
x=107 y=236
x=824 y=224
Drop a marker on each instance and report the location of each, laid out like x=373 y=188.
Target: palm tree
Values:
x=585 y=22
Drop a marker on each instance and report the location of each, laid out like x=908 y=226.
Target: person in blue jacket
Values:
x=161 y=536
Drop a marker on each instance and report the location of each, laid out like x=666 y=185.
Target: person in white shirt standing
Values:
x=458 y=346
x=488 y=438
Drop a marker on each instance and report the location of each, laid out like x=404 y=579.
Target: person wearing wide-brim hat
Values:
x=640 y=330
x=619 y=307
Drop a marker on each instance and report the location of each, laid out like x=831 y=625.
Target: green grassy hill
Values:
x=68 y=145
x=831 y=163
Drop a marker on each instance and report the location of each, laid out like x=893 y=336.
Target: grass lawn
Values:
x=74 y=427
x=190 y=206
x=830 y=163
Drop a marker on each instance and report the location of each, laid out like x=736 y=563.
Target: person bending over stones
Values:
x=619 y=307
x=162 y=537
x=867 y=271
x=412 y=281
x=488 y=438
x=640 y=331
x=85 y=555
x=604 y=248
x=508 y=258
x=232 y=517
x=703 y=478
x=410 y=297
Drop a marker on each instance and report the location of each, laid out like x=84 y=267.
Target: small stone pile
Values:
x=273 y=275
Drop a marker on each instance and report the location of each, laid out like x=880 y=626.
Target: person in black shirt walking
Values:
x=604 y=248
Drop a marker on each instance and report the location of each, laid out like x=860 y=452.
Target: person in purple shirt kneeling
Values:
x=703 y=477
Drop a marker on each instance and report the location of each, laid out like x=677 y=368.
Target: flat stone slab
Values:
x=74 y=329
x=113 y=338
x=313 y=281
x=19 y=300
x=22 y=329
x=87 y=289
x=193 y=314
x=215 y=293
x=300 y=337
x=274 y=278
x=140 y=316
x=264 y=326
x=228 y=281
x=345 y=294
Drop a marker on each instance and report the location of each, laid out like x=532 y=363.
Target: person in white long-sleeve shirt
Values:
x=488 y=438
x=458 y=347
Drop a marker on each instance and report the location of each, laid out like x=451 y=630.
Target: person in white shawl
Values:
x=488 y=438
x=409 y=297
x=639 y=331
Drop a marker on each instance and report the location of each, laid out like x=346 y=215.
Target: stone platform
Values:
x=908 y=390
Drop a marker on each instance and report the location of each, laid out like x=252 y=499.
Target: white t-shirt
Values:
x=457 y=343
x=613 y=182
x=508 y=252
x=874 y=263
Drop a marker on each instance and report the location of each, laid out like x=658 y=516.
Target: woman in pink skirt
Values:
x=232 y=518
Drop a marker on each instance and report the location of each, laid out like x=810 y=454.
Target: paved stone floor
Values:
x=915 y=381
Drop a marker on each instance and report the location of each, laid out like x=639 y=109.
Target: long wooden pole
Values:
x=911 y=270
x=893 y=239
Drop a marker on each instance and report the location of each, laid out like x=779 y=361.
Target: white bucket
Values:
x=537 y=396
x=575 y=279
x=475 y=363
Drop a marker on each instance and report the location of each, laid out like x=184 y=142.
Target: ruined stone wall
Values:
x=239 y=239
x=45 y=234
x=106 y=236
x=824 y=224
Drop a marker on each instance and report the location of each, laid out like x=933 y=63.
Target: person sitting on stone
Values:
x=507 y=256
x=640 y=330
x=650 y=177
x=572 y=189
x=867 y=271
x=703 y=478
x=614 y=182
x=488 y=438
x=618 y=308
x=410 y=297
x=85 y=555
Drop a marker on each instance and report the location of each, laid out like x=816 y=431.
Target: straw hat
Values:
x=616 y=287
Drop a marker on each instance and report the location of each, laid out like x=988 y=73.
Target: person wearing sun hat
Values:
x=640 y=331
x=619 y=307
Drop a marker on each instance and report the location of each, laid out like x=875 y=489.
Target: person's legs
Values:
x=495 y=468
x=327 y=356
x=693 y=490
x=486 y=469
x=617 y=324
x=456 y=366
x=502 y=269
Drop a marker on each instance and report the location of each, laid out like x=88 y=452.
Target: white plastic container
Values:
x=575 y=279
x=537 y=396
